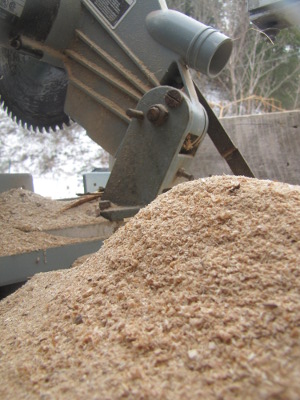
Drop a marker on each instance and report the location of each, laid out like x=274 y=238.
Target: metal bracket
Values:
x=151 y=146
x=117 y=213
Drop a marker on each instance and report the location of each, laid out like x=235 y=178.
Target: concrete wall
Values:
x=269 y=142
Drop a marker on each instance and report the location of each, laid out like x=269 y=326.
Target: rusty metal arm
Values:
x=223 y=143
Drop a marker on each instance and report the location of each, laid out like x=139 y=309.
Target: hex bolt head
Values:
x=16 y=43
x=173 y=98
x=153 y=114
x=157 y=114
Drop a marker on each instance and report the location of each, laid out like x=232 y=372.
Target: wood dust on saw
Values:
x=25 y=218
x=197 y=297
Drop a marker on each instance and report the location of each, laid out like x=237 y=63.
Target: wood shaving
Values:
x=24 y=216
x=197 y=297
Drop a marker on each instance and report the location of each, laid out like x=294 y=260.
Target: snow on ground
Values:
x=56 y=160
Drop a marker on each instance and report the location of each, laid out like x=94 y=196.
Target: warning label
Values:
x=13 y=7
x=113 y=10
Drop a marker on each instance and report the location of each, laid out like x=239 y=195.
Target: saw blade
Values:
x=32 y=92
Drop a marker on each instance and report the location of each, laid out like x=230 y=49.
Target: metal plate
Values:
x=113 y=11
x=21 y=267
x=147 y=151
x=11 y=181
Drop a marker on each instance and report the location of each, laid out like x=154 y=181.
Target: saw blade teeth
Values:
x=3 y=106
x=32 y=93
x=33 y=128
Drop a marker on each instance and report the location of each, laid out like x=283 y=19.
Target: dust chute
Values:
x=200 y=46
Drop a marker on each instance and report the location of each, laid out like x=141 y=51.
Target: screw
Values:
x=157 y=114
x=173 y=98
x=16 y=43
x=153 y=114
x=132 y=113
x=181 y=173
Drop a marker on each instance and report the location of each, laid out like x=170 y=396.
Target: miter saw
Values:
x=121 y=69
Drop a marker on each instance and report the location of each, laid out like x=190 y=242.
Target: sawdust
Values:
x=197 y=297
x=24 y=216
x=30 y=211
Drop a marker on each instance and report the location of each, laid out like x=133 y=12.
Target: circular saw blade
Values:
x=32 y=92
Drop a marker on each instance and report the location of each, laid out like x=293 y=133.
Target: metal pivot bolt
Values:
x=173 y=98
x=16 y=43
x=157 y=114
x=181 y=173
x=132 y=113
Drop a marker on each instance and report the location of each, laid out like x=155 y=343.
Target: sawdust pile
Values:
x=24 y=216
x=197 y=297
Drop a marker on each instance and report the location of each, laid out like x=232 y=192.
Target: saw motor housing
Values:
x=121 y=69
